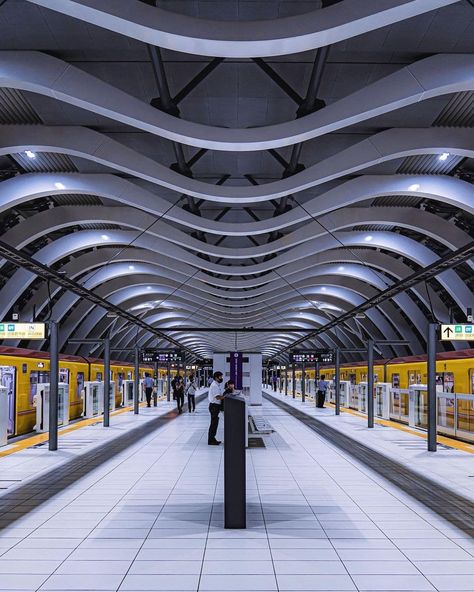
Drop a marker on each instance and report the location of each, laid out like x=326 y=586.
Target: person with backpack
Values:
x=177 y=384
x=191 y=389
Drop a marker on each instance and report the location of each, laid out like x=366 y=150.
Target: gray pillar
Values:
x=106 y=382
x=370 y=383
x=303 y=383
x=293 y=380
x=337 y=382
x=168 y=382
x=137 y=381
x=286 y=380
x=53 y=385
x=432 y=420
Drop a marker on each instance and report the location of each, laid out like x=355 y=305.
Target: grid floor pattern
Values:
x=151 y=518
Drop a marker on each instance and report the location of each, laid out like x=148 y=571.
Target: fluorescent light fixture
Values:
x=323 y=289
x=341 y=268
x=414 y=187
x=104 y=236
x=368 y=238
x=60 y=186
x=444 y=156
x=148 y=287
x=30 y=154
x=131 y=267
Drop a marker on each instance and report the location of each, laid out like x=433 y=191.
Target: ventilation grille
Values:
x=459 y=112
x=77 y=200
x=402 y=201
x=428 y=164
x=14 y=108
x=45 y=162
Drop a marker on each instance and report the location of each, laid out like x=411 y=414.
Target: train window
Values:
x=79 y=383
x=37 y=377
x=64 y=375
x=352 y=378
x=396 y=380
x=411 y=378
x=445 y=382
x=8 y=380
x=472 y=381
x=98 y=376
x=129 y=375
x=120 y=379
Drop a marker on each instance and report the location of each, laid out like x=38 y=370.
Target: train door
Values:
x=64 y=375
x=352 y=378
x=79 y=384
x=37 y=377
x=98 y=376
x=472 y=381
x=8 y=380
x=396 y=381
x=445 y=382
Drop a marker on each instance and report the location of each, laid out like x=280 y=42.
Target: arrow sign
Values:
x=447 y=331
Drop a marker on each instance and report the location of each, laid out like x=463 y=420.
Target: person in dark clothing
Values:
x=177 y=384
x=322 y=388
x=215 y=396
x=191 y=389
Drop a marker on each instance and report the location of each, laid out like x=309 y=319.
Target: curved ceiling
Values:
x=318 y=159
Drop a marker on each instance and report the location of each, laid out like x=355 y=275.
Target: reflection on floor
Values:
x=151 y=519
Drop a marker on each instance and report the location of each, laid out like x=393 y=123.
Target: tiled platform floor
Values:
x=151 y=519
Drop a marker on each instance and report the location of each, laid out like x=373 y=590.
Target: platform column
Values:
x=293 y=380
x=431 y=342
x=286 y=380
x=303 y=383
x=106 y=382
x=168 y=382
x=337 y=382
x=137 y=381
x=370 y=383
x=53 y=385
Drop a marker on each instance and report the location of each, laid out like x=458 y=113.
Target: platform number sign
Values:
x=457 y=332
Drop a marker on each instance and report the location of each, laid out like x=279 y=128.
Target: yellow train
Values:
x=22 y=370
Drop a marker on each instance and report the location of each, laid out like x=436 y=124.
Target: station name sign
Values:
x=323 y=356
x=457 y=332
x=22 y=330
x=151 y=356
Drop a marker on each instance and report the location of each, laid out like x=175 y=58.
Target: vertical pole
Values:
x=168 y=382
x=432 y=328
x=53 y=385
x=136 y=386
x=286 y=380
x=370 y=383
x=337 y=381
x=303 y=382
x=106 y=382
x=293 y=380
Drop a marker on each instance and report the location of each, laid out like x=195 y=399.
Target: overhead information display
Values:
x=151 y=356
x=457 y=332
x=22 y=330
x=324 y=356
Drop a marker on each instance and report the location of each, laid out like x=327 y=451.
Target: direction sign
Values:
x=323 y=356
x=150 y=356
x=22 y=330
x=457 y=332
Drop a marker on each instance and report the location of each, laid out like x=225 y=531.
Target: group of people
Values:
x=181 y=389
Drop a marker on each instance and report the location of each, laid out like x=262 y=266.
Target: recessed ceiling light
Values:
x=444 y=156
x=30 y=154
x=368 y=238
x=323 y=289
x=60 y=186
x=131 y=267
x=104 y=236
x=341 y=268
x=148 y=287
x=414 y=187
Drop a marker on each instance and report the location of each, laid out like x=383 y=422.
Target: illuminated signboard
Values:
x=325 y=356
x=457 y=332
x=22 y=330
x=162 y=356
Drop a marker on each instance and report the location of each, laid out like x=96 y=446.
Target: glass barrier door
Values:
x=8 y=380
x=446 y=413
x=465 y=417
x=421 y=409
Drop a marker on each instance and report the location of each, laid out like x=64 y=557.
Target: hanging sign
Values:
x=457 y=332
x=325 y=356
x=22 y=330
x=236 y=367
x=151 y=356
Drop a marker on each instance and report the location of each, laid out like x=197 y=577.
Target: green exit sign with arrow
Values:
x=457 y=332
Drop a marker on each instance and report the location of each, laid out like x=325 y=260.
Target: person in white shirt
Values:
x=215 y=396
x=191 y=389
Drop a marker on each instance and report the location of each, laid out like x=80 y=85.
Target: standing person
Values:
x=191 y=389
x=215 y=396
x=274 y=381
x=322 y=388
x=177 y=384
x=148 y=386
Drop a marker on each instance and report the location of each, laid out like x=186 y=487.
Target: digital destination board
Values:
x=22 y=330
x=162 y=356
x=323 y=356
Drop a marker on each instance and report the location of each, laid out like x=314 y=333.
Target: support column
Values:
x=168 y=382
x=337 y=382
x=303 y=383
x=286 y=380
x=53 y=385
x=106 y=382
x=431 y=342
x=293 y=380
x=370 y=383
x=137 y=382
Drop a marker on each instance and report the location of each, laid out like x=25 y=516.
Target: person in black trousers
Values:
x=215 y=396
x=178 y=391
x=191 y=389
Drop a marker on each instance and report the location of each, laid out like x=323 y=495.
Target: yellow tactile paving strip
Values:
x=457 y=444
x=39 y=438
